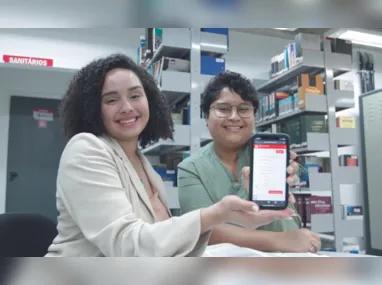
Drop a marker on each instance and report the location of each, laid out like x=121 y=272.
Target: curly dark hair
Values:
x=80 y=108
x=233 y=81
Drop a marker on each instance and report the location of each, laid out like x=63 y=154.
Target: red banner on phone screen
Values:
x=276 y=192
x=270 y=146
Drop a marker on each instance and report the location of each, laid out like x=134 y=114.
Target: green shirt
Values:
x=203 y=180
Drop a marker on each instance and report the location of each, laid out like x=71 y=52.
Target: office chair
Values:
x=25 y=234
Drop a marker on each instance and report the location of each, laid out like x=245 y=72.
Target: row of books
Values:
x=278 y=103
x=298 y=127
x=281 y=103
x=314 y=164
x=308 y=205
x=292 y=54
x=167 y=64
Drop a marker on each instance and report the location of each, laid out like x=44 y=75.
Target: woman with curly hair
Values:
x=111 y=202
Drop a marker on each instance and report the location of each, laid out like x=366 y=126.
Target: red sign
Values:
x=26 y=60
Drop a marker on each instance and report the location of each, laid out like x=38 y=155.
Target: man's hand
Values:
x=302 y=240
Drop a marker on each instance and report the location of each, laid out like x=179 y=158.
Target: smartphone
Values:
x=268 y=170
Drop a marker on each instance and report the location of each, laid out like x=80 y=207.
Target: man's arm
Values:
x=256 y=239
x=193 y=195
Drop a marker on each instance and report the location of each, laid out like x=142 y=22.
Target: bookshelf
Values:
x=176 y=65
x=183 y=87
x=327 y=64
x=312 y=63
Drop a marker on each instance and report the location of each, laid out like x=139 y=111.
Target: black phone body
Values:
x=268 y=170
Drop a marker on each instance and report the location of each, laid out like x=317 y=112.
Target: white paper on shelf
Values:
x=230 y=250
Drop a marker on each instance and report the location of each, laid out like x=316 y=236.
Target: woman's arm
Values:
x=91 y=190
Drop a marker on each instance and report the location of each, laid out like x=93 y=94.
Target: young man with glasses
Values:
x=229 y=103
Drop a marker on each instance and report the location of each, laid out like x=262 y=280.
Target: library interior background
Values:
x=322 y=87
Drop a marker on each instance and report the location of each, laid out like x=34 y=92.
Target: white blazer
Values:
x=105 y=210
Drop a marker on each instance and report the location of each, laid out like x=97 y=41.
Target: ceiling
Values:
x=289 y=34
x=281 y=33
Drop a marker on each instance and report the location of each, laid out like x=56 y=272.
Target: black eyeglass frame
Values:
x=231 y=109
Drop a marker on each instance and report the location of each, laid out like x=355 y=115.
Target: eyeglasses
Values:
x=224 y=110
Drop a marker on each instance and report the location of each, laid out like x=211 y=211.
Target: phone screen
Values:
x=270 y=160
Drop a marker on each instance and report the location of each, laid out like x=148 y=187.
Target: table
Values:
x=230 y=250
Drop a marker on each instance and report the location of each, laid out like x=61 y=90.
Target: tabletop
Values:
x=230 y=250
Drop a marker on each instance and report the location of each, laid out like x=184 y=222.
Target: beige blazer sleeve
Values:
x=91 y=190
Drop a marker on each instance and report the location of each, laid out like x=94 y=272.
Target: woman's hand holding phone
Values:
x=233 y=209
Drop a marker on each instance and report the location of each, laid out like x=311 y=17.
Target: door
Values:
x=35 y=145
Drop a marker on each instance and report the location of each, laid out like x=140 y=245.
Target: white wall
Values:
x=70 y=48
x=67 y=14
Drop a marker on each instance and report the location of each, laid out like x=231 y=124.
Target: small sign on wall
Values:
x=27 y=60
x=42 y=114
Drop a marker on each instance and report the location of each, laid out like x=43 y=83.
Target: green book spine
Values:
x=312 y=124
